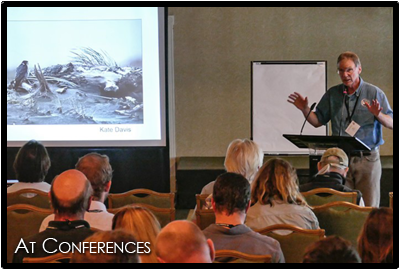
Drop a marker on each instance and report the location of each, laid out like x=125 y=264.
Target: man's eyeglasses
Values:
x=348 y=70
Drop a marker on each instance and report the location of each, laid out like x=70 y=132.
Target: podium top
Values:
x=348 y=144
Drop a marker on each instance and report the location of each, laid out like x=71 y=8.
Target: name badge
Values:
x=352 y=128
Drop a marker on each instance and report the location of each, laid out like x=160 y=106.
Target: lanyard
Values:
x=349 y=117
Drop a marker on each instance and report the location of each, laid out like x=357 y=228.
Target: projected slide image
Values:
x=74 y=72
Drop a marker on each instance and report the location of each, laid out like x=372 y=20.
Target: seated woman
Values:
x=31 y=166
x=244 y=157
x=276 y=199
x=144 y=226
x=375 y=242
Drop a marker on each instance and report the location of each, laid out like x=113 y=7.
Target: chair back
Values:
x=233 y=256
x=204 y=218
x=163 y=215
x=293 y=245
x=146 y=196
x=391 y=199
x=29 y=196
x=22 y=220
x=320 y=196
x=346 y=221
x=201 y=200
x=54 y=258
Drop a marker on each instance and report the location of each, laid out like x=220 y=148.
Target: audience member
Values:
x=144 y=226
x=98 y=170
x=181 y=241
x=332 y=171
x=242 y=156
x=70 y=196
x=230 y=201
x=375 y=242
x=276 y=199
x=31 y=166
x=126 y=253
x=332 y=249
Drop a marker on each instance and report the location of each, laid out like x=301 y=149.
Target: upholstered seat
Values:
x=146 y=196
x=29 y=196
x=320 y=196
x=342 y=219
x=293 y=245
x=22 y=220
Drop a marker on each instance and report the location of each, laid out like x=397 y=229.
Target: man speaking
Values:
x=355 y=108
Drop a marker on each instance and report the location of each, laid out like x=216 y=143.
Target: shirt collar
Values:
x=68 y=225
x=96 y=205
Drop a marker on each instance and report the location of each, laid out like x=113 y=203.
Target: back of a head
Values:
x=243 y=157
x=231 y=193
x=334 y=160
x=375 y=242
x=332 y=249
x=97 y=169
x=123 y=248
x=142 y=223
x=70 y=192
x=277 y=179
x=32 y=162
x=181 y=241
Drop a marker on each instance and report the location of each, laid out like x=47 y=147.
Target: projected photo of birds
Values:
x=88 y=76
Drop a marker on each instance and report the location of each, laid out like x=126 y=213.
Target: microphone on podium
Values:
x=311 y=108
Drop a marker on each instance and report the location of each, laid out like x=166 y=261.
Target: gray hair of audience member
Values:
x=231 y=193
x=181 y=241
x=97 y=169
x=120 y=237
x=32 y=162
x=349 y=55
x=245 y=157
x=332 y=249
x=78 y=201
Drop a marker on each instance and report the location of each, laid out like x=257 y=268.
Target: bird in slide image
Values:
x=21 y=74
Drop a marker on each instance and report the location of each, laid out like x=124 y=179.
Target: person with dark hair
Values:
x=375 y=242
x=231 y=201
x=97 y=169
x=277 y=200
x=70 y=196
x=359 y=109
x=31 y=166
x=181 y=241
x=332 y=249
x=121 y=238
x=332 y=171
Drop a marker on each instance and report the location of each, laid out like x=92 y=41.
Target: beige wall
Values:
x=213 y=48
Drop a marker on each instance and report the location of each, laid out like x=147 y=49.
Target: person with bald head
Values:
x=97 y=169
x=70 y=196
x=182 y=241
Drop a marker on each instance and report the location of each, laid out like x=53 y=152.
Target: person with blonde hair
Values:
x=375 y=242
x=244 y=157
x=143 y=224
x=276 y=198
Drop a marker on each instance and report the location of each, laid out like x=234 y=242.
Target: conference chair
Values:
x=342 y=219
x=233 y=256
x=22 y=220
x=204 y=218
x=391 y=199
x=29 y=196
x=320 y=196
x=163 y=215
x=146 y=196
x=54 y=258
x=201 y=200
x=294 y=244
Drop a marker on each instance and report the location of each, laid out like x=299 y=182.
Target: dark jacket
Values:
x=332 y=180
